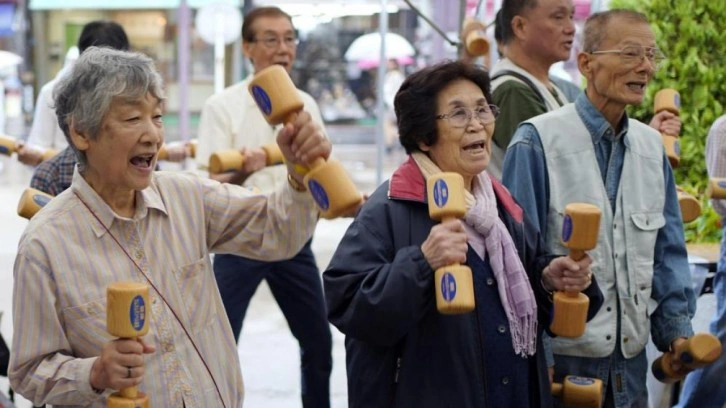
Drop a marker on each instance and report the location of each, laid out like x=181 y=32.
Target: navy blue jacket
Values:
x=400 y=351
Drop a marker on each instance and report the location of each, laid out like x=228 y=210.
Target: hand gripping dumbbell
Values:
x=31 y=201
x=454 y=283
x=579 y=234
x=279 y=100
x=127 y=317
x=716 y=188
x=233 y=160
x=8 y=146
x=698 y=351
x=191 y=145
x=669 y=100
x=579 y=392
x=474 y=37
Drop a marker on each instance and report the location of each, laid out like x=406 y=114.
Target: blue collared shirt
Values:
x=525 y=174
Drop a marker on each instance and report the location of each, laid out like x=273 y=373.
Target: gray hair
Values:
x=595 y=30
x=84 y=95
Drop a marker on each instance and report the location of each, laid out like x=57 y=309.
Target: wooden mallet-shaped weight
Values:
x=31 y=201
x=127 y=317
x=8 y=146
x=279 y=100
x=579 y=392
x=669 y=100
x=233 y=160
x=579 y=234
x=696 y=352
x=474 y=37
x=454 y=283
x=164 y=152
x=716 y=188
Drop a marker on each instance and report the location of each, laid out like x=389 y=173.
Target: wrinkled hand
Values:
x=177 y=152
x=446 y=244
x=255 y=159
x=675 y=355
x=111 y=368
x=666 y=123
x=302 y=141
x=29 y=155
x=566 y=274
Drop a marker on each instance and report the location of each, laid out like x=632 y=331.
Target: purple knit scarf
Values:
x=515 y=291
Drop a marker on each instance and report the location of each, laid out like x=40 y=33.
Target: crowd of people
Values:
x=525 y=145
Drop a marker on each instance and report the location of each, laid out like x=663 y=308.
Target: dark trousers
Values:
x=298 y=290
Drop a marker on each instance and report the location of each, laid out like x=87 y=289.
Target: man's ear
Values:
x=80 y=139
x=246 y=48
x=584 y=64
x=519 y=24
x=423 y=147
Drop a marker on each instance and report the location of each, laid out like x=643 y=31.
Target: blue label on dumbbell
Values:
x=722 y=183
x=686 y=358
x=448 y=287
x=40 y=199
x=441 y=193
x=319 y=195
x=677 y=148
x=4 y=150
x=677 y=100
x=137 y=313
x=567 y=228
x=577 y=380
x=262 y=99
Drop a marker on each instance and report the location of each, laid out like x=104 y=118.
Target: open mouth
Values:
x=636 y=86
x=143 y=161
x=476 y=145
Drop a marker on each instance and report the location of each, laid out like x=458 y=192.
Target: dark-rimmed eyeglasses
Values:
x=274 y=42
x=633 y=55
x=460 y=117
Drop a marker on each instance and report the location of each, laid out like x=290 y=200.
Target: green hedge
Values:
x=692 y=34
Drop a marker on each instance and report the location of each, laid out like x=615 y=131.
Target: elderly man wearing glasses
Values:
x=231 y=120
x=592 y=152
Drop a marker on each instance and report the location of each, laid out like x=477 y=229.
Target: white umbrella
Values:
x=368 y=47
x=8 y=59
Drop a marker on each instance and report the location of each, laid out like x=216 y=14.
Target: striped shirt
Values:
x=66 y=259
x=716 y=158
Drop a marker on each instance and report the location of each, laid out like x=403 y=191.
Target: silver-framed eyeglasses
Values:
x=274 y=42
x=634 y=54
x=460 y=117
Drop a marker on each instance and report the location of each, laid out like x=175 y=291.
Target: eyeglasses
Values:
x=633 y=55
x=460 y=117
x=274 y=42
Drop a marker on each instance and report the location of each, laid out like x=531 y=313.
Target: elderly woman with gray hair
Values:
x=122 y=221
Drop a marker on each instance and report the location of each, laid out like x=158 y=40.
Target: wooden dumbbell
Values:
x=579 y=392
x=668 y=99
x=233 y=160
x=698 y=351
x=31 y=201
x=690 y=206
x=474 y=37
x=8 y=146
x=127 y=317
x=454 y=283
x=191 y=145
x=716 y=188
x=579 y=234
x=279 y=100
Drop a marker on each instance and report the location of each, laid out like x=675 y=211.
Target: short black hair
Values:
x=415 y=103
x=509 y=10
x=102 y=33
x=248 y=35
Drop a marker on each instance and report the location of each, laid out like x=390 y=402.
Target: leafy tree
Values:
x=692 y=34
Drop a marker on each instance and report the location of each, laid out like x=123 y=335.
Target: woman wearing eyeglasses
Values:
x=379 y=286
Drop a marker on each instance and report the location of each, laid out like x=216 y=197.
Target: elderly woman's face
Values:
x=123 y=155
x=462 y=146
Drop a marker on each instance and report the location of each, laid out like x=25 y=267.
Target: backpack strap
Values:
x=522 y=78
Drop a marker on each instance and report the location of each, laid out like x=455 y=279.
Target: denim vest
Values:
x=623 y=257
